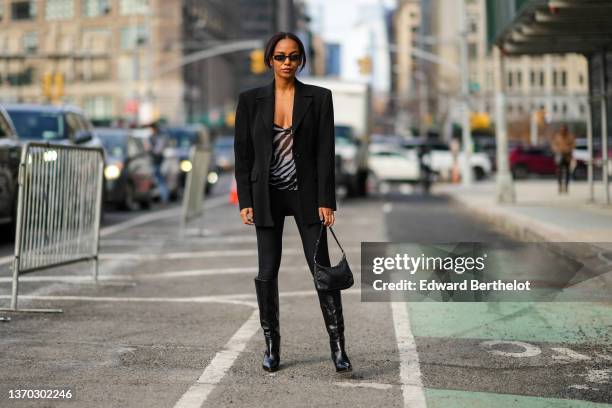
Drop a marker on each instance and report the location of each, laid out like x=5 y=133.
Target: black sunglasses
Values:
x=281 y=57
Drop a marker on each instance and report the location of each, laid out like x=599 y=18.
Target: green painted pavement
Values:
x=552 y=322
x=459 y=399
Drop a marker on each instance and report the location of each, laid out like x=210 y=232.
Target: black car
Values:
x=49 y=123
x=10 y=152
x=182 y=138
x=129 y=178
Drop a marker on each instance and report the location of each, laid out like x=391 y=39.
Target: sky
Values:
x=332 y=18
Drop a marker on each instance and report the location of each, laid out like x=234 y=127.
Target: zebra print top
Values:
x=283 y=174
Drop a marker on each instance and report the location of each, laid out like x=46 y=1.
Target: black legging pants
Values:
x=269 y=239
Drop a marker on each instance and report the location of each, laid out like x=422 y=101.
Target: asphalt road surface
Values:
x=174 y=323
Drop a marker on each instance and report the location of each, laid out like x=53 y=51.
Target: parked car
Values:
x=442 y=159
x=224 y=153
x=539 y=160
x=170 y=167
x=10 y=152
x=182 y=138
x=129 y=178
x=65 y=124
x=392 y=163
x=49 y=123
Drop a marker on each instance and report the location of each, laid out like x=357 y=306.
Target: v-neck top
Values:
x=283 y=173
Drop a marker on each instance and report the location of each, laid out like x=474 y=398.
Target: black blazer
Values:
x=313 y=150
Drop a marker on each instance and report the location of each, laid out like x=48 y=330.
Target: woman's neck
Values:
x=284 y=85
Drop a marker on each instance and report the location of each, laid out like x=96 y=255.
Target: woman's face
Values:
x=286 y=68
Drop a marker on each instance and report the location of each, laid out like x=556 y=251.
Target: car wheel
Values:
x=147 y=202
x=479 y=173
x=580 y=172
x=129 y=202
x=520 y=171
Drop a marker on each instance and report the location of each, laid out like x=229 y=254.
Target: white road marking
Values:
x=378 y=386
x=158 y=215
x=568 y=354
x=410 y=370
x=230 y=298
x=202 y=254
x=529 y=350
x=142 y=219
x=220 y=364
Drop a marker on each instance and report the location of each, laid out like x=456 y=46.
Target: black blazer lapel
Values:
x=301 y=103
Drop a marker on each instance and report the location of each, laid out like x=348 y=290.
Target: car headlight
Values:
x=112 y=171
x=212 y=177
x=186 y=166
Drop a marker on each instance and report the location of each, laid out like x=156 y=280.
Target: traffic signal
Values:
x=59 y=85
x=258 y=65
x=47 y=85
x=365 y=65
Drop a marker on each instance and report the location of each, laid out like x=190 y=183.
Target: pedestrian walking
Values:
x=563 y=144
x=159 y=142
x=284 y=165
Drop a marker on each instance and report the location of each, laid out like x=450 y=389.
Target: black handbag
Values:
x=328 y=278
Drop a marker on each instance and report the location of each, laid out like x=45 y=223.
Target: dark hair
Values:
x=280 y=36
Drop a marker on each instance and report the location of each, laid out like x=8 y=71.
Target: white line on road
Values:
x=410 y=370
x=378 y=386
x=158 y=215
x=201 y=254
x=220 y=364
x=143 y=219
x=230 y=298
x=139 y=276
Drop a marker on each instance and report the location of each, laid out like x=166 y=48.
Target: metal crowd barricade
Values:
x=193 y=198
x=58 y=210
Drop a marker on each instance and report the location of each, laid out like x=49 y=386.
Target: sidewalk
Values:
x=540 y=213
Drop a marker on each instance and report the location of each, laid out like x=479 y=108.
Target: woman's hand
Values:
x=247 y=215
x=327 y=216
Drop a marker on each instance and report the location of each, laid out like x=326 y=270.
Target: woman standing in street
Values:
x=284 y=151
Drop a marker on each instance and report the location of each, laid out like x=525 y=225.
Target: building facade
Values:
x=125 y=58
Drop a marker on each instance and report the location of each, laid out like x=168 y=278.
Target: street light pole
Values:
x=505 y=186
x=466 y=168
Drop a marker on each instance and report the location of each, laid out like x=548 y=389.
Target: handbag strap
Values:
x=318 y=239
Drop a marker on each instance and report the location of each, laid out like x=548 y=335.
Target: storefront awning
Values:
x=558 y=27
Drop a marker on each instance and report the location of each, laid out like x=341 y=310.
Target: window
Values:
x=581 y=79
x=23 y=10
x=542 y=79
x=132 y=6
x=59 y=9
x=96 y=8
x=473 y=50
x=510 y=79
x=30 y=42
x=554 y=78
x=519 y=78
x=131 y=36
x=1 y=10
x=563 y=78
x=99 y=106
x=532 y=78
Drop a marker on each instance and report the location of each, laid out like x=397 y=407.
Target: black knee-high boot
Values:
x=331 y=306
x=267 y=299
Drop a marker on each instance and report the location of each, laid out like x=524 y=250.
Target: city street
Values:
x=174 y=323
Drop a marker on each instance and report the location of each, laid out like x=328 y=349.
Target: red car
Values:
x=540 y=160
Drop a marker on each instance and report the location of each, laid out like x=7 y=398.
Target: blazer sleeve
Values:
x=243 y=154
x=326 y=154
